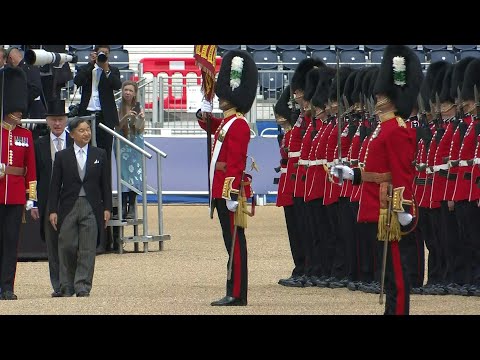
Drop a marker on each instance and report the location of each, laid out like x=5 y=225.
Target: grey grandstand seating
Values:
x=347 y=47
x=265 y=59
x=465 y=53
x=375 y=47
x=464 y=47
x=83 y=56
x=258 y=47
x=434 y=47
x=355 y=58
x=119 y=58
x=445 y=55
x=271 y=84
x=376 y=56
x=126 y=74
x=221 y=49
x=318 y=47
x=327 y=56
x=116 y=47
x=291 y=58
x=287 y=47
x=80 y=47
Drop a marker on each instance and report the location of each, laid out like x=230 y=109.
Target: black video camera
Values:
x=102 y=57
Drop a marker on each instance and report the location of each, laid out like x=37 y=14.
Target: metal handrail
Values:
x=129 y=143
x=154 y=148
x=268 y=129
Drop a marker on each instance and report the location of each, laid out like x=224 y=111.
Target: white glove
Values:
x=2 y=169
x=232 y=205
x=207 y=106
x=404 y=218
x=344 y=169
x=29 y=205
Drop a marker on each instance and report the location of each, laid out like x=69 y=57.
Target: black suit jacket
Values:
x=106 y=88
x=66 y=184
x=43 y=161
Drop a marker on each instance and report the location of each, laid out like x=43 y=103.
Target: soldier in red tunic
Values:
x=388 y=163
x=236 y=88
x=17 y=173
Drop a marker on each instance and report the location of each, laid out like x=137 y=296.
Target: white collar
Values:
x=62 y=136
x=77 y=148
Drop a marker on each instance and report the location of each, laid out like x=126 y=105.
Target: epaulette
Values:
x=401 y=122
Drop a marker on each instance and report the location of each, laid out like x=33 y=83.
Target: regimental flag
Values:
x=206 y=58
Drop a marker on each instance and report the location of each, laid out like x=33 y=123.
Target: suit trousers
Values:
x=10 y=220
x=51 y=240
x=77 y=248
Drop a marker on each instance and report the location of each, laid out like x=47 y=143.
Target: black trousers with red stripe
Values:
x=397 y=285
x=10 y=222
x=237 y=286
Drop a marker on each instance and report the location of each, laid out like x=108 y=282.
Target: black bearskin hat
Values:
x=243 y=95
x=343 y=74
x=403 y=85
x=367 y=80
x=444 y=89
x=326 y=76
x=299 y=76
x=357 y=86
x=373 y=81
x=434 y=71
x=283 y=105
x=311 y=83
x=13 y=90
x=349 y=87
x=56 y=108
x=458 y=76
x=472 y=78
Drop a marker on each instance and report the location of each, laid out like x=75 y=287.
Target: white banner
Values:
x=194 y=99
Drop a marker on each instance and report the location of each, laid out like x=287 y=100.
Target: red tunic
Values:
x=299 y=190
x=312 y=183
x=389 y=149
x=430 y=160
x=284 y=198
x=294 y=145
x=320 y=176
x=345 y=143
x=233 y=151
x=361 y=158
x=467 y=152
x=475 y=181
x=17 y=150
x=441 y=152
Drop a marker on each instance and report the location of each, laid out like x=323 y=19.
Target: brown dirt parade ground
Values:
x=191 y=271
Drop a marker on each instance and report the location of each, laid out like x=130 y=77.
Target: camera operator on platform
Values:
x=99 y=80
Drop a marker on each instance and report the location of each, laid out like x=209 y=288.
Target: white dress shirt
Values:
x=81 y=158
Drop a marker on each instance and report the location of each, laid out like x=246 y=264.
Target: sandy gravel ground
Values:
x=190 y=273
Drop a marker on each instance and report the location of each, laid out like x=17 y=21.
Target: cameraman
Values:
x=99 y=80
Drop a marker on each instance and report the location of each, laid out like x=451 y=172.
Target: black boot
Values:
x=124 y=204
x=132 y=204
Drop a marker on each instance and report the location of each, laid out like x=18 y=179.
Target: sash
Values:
x=216 y=152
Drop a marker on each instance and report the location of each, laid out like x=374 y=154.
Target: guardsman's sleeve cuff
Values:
x=228 y=192
x=32 y=190
x=357 y=176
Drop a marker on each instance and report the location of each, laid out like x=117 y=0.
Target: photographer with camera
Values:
x=99 y=80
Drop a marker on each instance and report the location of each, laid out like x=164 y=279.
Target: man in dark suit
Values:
x=45 y=149
x=80 y=203
x=99 y=80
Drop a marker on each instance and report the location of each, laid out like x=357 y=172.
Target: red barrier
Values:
x=171 y=66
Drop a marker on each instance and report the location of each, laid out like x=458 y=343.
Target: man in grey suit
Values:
x=80 y=204
x=45 y=149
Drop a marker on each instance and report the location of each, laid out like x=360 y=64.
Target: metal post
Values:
x=144 y=198
x=118 y=159
x=160 y=114
x=155 y=101
x=94 y=129
x=160 y=200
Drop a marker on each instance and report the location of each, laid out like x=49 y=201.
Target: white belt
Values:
x=437 y=168
x=476 y=161
x=317 y=162
x=335 y=162
x=294 y=154
x=283 y=170
x=331 y=163
x=428 y=170
x=303 y=162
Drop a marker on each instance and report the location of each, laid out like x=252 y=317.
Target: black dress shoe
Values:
x=8 y=295
x=229 y=301
x=83 y=294
x=67 y=292
x=56 y=294
x=292 y=281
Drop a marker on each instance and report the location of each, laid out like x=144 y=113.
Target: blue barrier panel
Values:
x=185 y=168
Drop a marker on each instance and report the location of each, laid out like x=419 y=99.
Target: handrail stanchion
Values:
x=144 y=203
x=155 y=100
x=159 y=84
x=118 y=159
